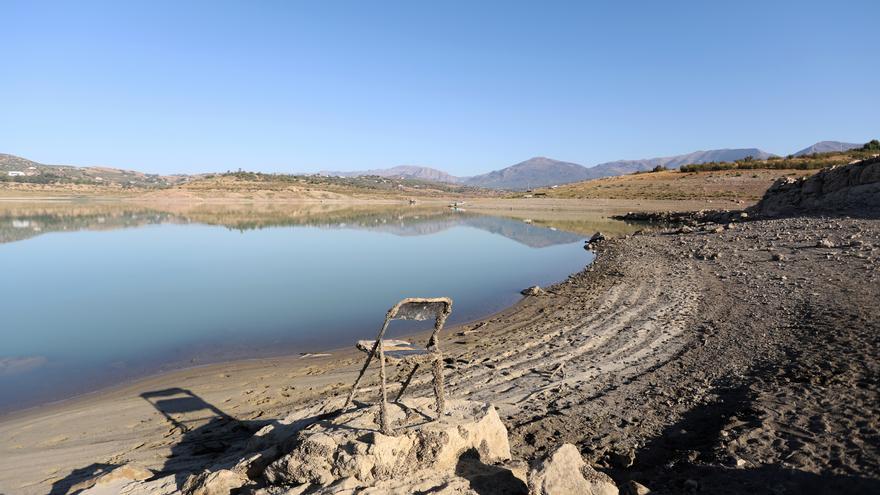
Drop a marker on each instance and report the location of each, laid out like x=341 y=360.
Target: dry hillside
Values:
x=745 y=185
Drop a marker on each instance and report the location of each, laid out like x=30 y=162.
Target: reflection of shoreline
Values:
x=21 y=222
x=16 y=365
x=395 y=221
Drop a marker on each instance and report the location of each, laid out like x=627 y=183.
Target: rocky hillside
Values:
x=853 y=189
x=21 y=170
x=748 y=186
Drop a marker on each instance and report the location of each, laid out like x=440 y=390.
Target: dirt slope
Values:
x=743 y=185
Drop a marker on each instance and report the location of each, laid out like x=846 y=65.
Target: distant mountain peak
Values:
x=826 y=147
x=539 y=171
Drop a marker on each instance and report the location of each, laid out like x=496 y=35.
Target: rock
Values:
x=253 y=465
x=281 y=432
x=708 y=255
x=351 y=446
x=123 y=486
x=850 y=188
x=564 y=472
x=519 y=469
x=623 y=459
x=221 y=482
x=778 y=257
x=464 y=452
x=597 y=237
x=533 y=291
x=825 y=243
x=120 y=475
x=436 y=485
x=636 y=488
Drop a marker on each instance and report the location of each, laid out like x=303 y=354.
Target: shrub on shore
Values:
x=806 y=162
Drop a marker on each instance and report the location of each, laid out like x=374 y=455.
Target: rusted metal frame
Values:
x=433 y=348
x=437 y=368
x=367 y=363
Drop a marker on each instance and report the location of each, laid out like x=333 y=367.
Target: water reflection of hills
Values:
x=19 y=227
x=517 y=230
x=20 y=222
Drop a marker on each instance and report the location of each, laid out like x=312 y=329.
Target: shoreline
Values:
x=213 y=367
x=712 y=349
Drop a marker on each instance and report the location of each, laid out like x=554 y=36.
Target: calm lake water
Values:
x=92 y=296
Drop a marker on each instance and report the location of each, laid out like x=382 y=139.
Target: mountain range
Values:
x=532 y=173
x=542 y=171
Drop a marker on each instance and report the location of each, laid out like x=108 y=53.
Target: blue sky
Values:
x=463 y=86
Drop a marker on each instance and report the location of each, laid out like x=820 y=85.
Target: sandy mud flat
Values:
x=740 y=355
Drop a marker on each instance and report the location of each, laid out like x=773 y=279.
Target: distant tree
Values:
x=872 y=145
x=659 y=168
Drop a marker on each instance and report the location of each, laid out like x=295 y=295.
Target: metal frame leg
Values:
x=439 y=392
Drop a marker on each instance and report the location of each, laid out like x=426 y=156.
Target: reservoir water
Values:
x=93 y=295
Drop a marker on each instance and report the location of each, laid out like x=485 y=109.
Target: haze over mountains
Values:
x=531 y=173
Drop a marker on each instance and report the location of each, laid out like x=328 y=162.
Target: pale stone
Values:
x=345 y=453
x=280 y=432
x=564 y=472
x=122 y=486
x=533 y=291
x=118 y=476
x=636 y=488
x=221 y=482
x=350 y=445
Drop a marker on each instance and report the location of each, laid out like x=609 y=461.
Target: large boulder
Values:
x=350 y=445
x=564 y=472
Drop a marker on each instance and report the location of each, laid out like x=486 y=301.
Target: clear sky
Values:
x=465 y=86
